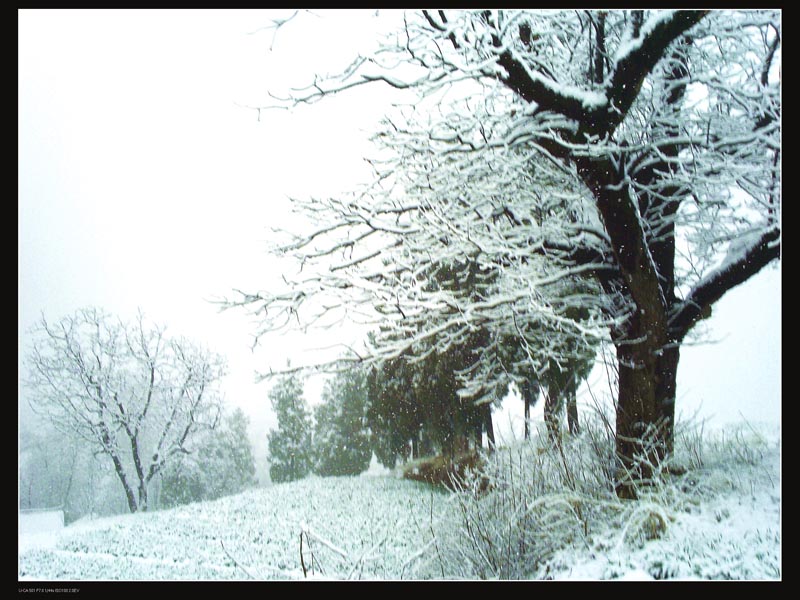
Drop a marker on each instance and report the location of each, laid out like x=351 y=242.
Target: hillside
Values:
x=368 y=525
x=721 y=520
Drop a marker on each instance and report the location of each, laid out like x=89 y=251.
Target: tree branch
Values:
x=742 y=263
x=632 y=67
x=597 y=114
x=535 y=88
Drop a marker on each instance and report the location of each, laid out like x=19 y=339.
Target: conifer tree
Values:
x=341 y=435
x=221 y=464
x=290 y=445
x=227 y=458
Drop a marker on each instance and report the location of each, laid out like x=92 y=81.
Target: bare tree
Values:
x=637 y=148
x=132 y=393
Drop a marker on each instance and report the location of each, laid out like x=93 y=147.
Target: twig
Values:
x=324 y=542
x=435 y=544
x=302 y=562
x=314 y=561
x=366 y=556
x=759 y=437
x=416 y=556
x=236 y=562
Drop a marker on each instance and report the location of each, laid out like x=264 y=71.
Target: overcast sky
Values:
x=144 y=183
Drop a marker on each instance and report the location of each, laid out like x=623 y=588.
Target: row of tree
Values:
x=335 y=441
x=413 y=405
x=403 y=410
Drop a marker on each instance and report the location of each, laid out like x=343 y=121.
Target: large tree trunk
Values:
x=129 y=495
x=666 y=384
x=139 y=472
x=142 y=496
x=643 y=338
x=108 y=448
x=639 y=437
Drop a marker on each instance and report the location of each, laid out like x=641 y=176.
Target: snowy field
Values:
x=722 y=521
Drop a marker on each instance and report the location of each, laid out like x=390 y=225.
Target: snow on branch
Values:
x=635 y=62
x=535 y=160
x=745 y=257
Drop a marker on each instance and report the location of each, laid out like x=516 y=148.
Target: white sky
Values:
x=144 y=184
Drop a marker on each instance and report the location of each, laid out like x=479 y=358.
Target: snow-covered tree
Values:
x=341 y=436
x=638 y=148
x=134 y=394
x=567 y=366
x=48 y=468
x=393 y=414
x=447 y=421
x=220 y=464
x=182 y=482
x=290 y=452
x=414 y=407
x=228 y=457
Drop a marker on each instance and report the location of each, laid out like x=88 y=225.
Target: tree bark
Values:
x=553 y=404
x=530 y=391
x=120 y=470
x=600 y=47
x=666 y=385
x=639 y=442
x=527 y=417
x=142 y=496
x=572 y=412
x=489 y=425
x=139 y=472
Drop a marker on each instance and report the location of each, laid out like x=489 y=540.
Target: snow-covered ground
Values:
x=725 y=524
x=39 y=528
x=728 y=528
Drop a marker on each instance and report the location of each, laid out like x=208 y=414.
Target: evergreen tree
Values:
x=227 y=458
x=222 y=464
x=341 y=436
x=290 y=445
x=393 y=414
x=415 y=397
x=182 y=483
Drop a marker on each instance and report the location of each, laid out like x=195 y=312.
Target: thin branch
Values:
x=236 y=562
x=748 y=259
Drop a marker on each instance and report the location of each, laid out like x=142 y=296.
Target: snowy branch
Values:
x=745 y=258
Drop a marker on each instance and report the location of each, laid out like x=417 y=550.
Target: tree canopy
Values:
x=220 y=464
x=640 y=149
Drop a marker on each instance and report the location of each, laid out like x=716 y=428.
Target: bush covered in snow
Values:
x=551 y=513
